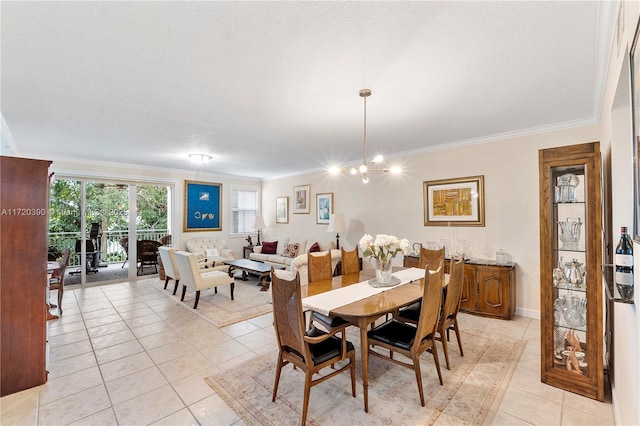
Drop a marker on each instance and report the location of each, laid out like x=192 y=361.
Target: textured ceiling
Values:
x=271 y=88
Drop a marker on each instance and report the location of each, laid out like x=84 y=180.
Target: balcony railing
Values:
x=111 y=251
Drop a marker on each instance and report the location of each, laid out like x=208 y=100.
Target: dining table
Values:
x=352 y=298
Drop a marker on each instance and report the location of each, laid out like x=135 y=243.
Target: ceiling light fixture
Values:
x=366 y=167
x=200 y=158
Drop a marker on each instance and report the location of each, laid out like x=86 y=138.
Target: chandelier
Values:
x=375 y=165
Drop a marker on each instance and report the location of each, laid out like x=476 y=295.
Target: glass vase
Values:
x=383 y=271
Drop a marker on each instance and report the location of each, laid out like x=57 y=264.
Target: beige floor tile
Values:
x=71 y=365
x=68 y=338
x=193 y=388
x=169 y=352
x=148 y=408
x=256 y=339
x=505 y=419
x=571 y=417
x=148 y=330
x=240 y=329
x=118 y=351
x=112 y=339
x=236 y=361
x=74 y=407
x=263 y=321
x=588 y=407
x=103 y=330
x=99 y=313
x=19 y=408
x=124 y=366
x=179 y=418
x=184 y=366
x=134 y=385
x=70 y=384
x=136 y=313
x=161 y=339
x=225 y=351
x=107 y=319
x=56 y=330
x=70 y=350
x=213 y=411
x=102 y=418
x=527 y=407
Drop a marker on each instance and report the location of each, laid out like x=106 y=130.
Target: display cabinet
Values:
x=570 y=269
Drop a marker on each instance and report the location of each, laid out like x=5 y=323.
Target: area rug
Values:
x=249 y=302
x=472 y=391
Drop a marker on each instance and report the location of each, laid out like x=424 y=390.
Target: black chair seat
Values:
x=328 y=322
x=411 y=312
x=325 y=350
x=394 y=333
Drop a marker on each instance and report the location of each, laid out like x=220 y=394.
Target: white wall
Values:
x=615 y=126
x=394 y=204
x=175 y=177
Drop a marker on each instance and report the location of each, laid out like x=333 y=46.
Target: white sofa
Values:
x=210 y=252
x=279 y=259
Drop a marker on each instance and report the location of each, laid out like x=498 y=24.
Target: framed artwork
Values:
x=301 y=199
x=324 y=207
x=282 y=209
x=635 y=106
x=454 y=202
x=202 y=206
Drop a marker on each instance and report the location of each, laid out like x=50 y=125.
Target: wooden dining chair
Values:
x=451 y=306
x=319 y=266
x=56 y=282
x=430 y=258
x=350 y=261
x=311 y=349
x=409 y=340
x=411 y=313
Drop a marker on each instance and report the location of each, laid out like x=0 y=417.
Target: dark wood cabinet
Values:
x=23 y=274
x=571 y=304
x=489 y=289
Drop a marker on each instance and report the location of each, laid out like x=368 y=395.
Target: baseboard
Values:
x=528 y=313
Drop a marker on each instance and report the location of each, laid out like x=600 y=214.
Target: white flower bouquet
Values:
x=384 y=247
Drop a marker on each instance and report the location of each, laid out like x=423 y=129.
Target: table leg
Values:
x=364 y=349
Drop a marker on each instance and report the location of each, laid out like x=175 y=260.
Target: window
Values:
x=244 y=209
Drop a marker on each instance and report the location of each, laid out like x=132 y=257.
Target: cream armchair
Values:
x=210 y=253
x=192 y=276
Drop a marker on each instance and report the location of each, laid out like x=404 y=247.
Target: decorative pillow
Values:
x=220 y=244
x=315 y=247
x=211 y=252
x=291 y=250
x=269 y=247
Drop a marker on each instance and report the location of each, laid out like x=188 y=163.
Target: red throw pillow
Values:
x=269 y=247
x=315 y=247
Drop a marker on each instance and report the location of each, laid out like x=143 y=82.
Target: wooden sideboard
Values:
x=489 y=289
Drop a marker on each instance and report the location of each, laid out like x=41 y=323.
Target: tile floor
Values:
x=125 y=354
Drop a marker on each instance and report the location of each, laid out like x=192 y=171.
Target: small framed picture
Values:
x=301 y=194
x=324 y=207
x=454 y=202
x=282 y=209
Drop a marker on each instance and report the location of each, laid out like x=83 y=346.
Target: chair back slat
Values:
x=350 y=263
x=288 y=317
x=431 y=303
x=319 y=266
x=430 y=259
x=454 y=288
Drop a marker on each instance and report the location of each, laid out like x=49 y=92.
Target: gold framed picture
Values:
x=301 y=195
x=454 y=202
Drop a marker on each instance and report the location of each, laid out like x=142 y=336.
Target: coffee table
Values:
x=247 y=266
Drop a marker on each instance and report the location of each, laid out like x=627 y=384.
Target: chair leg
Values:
x=457 y=330
x=416 y=369
x=275 y=383
x=233 y=285
x=184 y=290
x=305 y=403
x=166 y=281
x=445 y=347
x=436 y=361
x=215 y=290
x=353 y=374
x=175 y=288
x=60 y=293
x=195 y=305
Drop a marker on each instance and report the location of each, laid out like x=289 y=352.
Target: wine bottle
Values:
x=624 y=266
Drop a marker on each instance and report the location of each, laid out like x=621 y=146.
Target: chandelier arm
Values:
x=364 y=144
